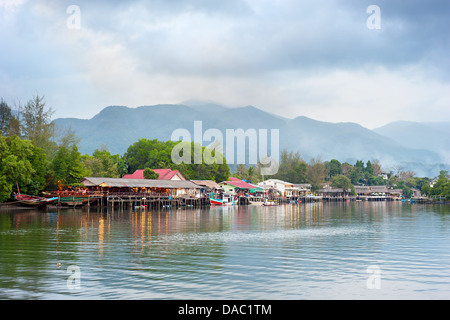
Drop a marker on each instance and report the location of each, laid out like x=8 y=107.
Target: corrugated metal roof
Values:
x=139 y=183
x=238 y=183
x=207 y=183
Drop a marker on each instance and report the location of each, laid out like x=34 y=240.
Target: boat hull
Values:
x=219 y=202
x=31 y=201
x=270 y=204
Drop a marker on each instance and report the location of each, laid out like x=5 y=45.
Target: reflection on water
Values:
x=289 y=252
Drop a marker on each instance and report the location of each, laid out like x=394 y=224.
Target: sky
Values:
x=332 y=61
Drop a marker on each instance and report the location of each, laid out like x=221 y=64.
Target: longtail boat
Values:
x=33 y=201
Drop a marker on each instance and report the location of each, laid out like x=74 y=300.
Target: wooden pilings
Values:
x=153 y=202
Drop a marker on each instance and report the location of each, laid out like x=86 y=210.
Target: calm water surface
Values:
x=308 y=251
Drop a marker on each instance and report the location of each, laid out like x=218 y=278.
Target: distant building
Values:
x=285 y=189
x=235 y=185
x=416 y=193
x=383 y=175
x=164 y=174
x=395 y=193
x=371 y=190
x=304 y=189
x=207 y=185
x=141 y=186
x=332 y=192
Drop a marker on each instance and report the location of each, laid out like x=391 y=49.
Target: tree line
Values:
x=318 y=173
x=36 y=156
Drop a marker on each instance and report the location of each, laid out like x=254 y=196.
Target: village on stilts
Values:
x=172 y=190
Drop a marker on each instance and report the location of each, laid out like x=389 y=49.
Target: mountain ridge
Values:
x=117 y=127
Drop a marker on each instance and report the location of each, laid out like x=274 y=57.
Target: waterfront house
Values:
x=304 y=189
x=396 y=194
x=208 y=186
x=110 y=186
x=371 y=190
x=333 y=192
x=235 y=186
x=416 y=193
x=164 y=174
x=285 y=189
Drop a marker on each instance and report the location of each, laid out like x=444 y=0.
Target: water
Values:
x=312 y=251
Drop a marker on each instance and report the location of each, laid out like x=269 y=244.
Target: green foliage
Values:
x=149 y=154
x=67 y=167
x=341 y=181
x=150 y=174
x=158 y=154
x=103 y=164
x=292 y=167
x=407 y=192
x=251 y=174
x=440 y=188
x=316 y=174
x=23 y=164
x=37 y=124
x=333 y=167
x=5 y=117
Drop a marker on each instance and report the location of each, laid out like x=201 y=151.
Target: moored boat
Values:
x=227 y=200
x=270 y=203
x=76 y=201
x=33 y=201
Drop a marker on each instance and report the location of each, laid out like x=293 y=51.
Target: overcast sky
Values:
x=313 y=58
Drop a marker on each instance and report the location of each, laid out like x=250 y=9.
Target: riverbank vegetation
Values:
x=35 y=156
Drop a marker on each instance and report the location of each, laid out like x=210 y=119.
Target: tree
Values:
x=405 y=175
x=254 y=174
x=5 y=117
x=346 y=169
x=292 y=167
x=102 y=164
x=341 y=181
x=68 y=138
x=241 y=171
x=334 y=168
x=407 y=192
x=150 y=174
x=358 y=174
x=37 y=124
x=67 y=167
x=158 y=154
x=369 y=169
x=376 y=167
x=316 y=173
x=441 y=186
x=22 y=164
x=149 y=154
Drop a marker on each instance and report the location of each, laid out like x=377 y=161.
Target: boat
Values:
x=227 y=200
x=255 y=203
x=33 y=201
x=76 y=201
x=270 y=203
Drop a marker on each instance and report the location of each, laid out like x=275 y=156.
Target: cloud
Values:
x=291 y=57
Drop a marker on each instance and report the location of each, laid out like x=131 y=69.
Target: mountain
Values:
x=117 y=127
x=416 y=135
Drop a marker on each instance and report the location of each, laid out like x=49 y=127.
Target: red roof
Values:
x=239 y=183
x=138 y=174
x=164 y=174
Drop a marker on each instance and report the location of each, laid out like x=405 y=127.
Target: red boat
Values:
x=33 y=201
x=227 y=200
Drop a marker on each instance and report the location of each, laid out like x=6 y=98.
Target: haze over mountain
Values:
x=117 y=127
x=426 y=135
